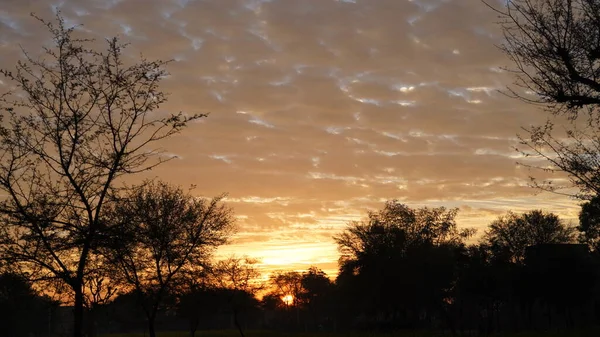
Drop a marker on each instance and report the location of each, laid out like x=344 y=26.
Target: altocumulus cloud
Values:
x=321 y=109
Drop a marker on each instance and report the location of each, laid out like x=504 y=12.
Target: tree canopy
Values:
x=76 y=122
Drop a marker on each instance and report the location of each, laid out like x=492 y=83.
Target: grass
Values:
x=270 y=333
x=266 y=333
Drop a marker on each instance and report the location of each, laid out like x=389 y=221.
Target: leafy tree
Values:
x=20 y=305
x=399 y=262
x=511 y=234
x=555 y=49
x=397 y=227
x=317 y=294
x=198 y=302
x=240 y=277
x=77 y=121
x=159 y=232
x=288 y=286
x=589 y=223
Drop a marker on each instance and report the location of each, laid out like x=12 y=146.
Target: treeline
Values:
x=400 y=268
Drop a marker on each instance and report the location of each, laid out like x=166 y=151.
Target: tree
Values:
x=399 y=262
x=161 y=231
x=20 y=305
x=555 y=48
x=398 y=226
x=78 y=121
x=511 y=234
x=240 y=277
x=316 y=295
x=288 y=286
x=589 y=223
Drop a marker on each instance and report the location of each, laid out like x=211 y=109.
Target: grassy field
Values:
x=251 y=333
x=234 y=333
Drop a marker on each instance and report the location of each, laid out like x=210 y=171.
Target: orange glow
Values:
x=288 y=299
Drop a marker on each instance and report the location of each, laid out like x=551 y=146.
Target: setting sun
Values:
x=288 y=299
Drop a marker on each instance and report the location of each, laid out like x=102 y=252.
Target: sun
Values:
x=288 y=299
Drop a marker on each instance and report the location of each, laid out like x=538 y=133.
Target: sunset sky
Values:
x=321 y=110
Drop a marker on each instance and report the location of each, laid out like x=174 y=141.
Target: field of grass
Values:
x=267 y=333
x=254 y=333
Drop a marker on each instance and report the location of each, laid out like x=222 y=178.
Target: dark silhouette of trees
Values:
x=159 y=232
x=239 y=277
x=509 y=236
x=555 y=50
x=197 y=303
x=398 y=266
x=20 y=305
x=317 y=296
x=589 y=223
x=77 y=121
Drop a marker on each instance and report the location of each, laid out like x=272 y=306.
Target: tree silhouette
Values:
x=159 y=232
x=399 y=264
x=511 y=234
x=555 y=50
x=317 y=294
x=78 y=120
x=589 y=223
x=20 y=305
x=240 y=277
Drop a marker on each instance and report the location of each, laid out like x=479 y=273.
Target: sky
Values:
x=321 y=110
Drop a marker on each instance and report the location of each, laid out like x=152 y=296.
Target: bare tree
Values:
x=160 y=232
x=240 y=276
x=78 y=120
x=555 y=49
x=99 y=290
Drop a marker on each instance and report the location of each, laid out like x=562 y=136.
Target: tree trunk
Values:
x=237 y=323
x=90 y=322
x=151 y=330
x=193 y=326
x=78 y=312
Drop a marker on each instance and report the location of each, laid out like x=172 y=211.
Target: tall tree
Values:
x=555 y=49
x=77 y=121
x=400 y=226
x=160 y=231
x=511 y=234
x=317 y=294
x=241 y=278
x=399 y=262
x=589 y=223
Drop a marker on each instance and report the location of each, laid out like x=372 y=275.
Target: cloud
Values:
x=321 y=109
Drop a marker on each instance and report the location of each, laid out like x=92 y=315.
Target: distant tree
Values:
x=589 y=223
x=20 y=305
x=399 y=262
x=126 y=310
x=272 y=301
x=484 y=287
x=288 y=286
x=196 y=303
x=511 y=234
x=317 y=294
x=241 y=278
x=77 y=121
x=555 y=50
x=99 y=290
x=160 y=232
x=398 y=227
